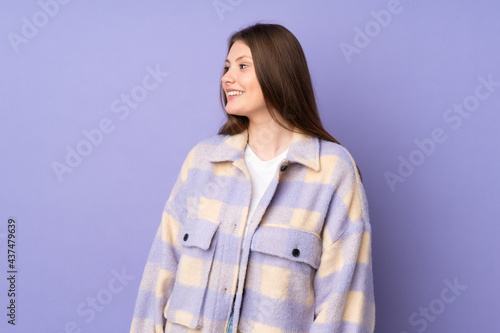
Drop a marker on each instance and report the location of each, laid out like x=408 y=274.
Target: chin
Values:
x=235 y=112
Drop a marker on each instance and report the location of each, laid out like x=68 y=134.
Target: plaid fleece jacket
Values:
x=307 y=264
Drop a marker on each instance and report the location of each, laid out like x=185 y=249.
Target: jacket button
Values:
x=296 y=252
x=283 y=167
x=186 y=236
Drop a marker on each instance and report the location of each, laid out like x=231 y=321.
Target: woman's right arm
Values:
x=159 y=274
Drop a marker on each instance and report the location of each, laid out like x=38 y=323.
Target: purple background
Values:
x=75 y=234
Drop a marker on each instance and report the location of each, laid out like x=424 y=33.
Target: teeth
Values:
x=234 y=93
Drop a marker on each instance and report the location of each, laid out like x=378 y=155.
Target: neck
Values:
x=268 y=139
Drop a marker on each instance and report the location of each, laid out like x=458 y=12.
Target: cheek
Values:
x=259 y=94
x=255 y=89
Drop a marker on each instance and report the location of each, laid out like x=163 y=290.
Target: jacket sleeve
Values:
x=343 y=285
x=159 y=274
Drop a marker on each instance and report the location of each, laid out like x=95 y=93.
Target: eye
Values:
x=243 y=66
x=226 y=68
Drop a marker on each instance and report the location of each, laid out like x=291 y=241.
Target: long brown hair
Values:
x=283 y=75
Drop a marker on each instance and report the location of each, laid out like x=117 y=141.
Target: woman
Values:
x=267 y=227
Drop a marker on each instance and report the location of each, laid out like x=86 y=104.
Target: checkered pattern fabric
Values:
x=306 y=266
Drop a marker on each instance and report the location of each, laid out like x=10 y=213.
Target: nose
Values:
x=227 y=78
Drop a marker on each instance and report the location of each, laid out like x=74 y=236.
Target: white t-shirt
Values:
x=261 y=174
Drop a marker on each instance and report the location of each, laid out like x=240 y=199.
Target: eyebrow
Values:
x=239 y=58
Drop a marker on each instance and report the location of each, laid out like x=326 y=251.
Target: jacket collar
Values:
x=304 y=149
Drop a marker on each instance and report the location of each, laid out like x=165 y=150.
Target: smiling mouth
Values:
x=235 y=93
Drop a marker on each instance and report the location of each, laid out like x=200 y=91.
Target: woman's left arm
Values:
x=343 y=285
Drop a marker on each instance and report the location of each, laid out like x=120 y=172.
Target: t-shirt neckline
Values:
x=283 y=154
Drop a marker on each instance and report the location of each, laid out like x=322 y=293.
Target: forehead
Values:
x=239 y=49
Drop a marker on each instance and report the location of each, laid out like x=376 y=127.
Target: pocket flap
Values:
x=289 y=243
x=199 y=233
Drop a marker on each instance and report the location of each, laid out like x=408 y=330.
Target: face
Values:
x=243 y=92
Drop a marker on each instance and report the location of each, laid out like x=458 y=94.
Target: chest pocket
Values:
x=198 y=247
x=282 y=265
x=288 y=243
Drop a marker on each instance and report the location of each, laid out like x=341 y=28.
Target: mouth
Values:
x=234 y=94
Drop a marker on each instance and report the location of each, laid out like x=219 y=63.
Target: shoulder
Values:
x=203 y=149
x=345 y=178
x=334 y=154
x=207 y=145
